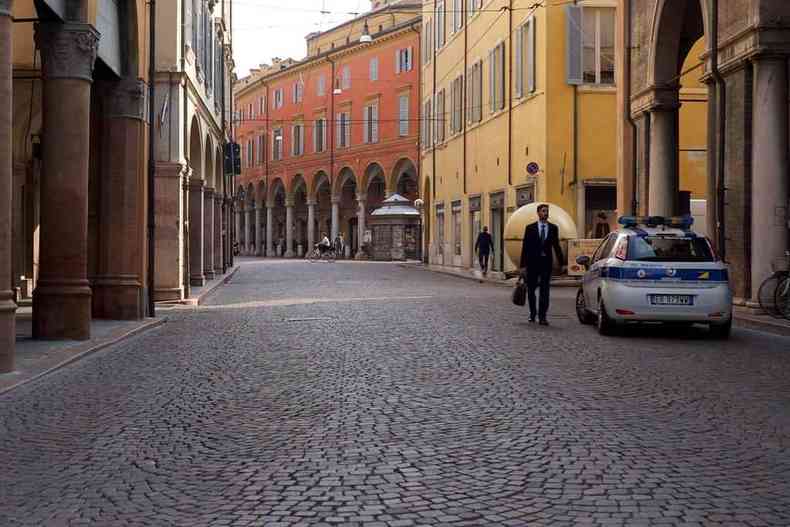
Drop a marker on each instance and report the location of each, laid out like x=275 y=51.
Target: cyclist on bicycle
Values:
x=324 y=245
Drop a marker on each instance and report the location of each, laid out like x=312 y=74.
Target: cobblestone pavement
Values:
x=369 y=394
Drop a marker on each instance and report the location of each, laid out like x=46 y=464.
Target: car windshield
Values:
x=669 y=249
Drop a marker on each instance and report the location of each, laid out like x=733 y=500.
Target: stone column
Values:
x=258 y=244
x=208 y=233
x=335 y=216
x=170 y=216
x=7 y=304
x=770 y=168
x=361 y=214
x=218 y=235
x=311 y=226
x=663 y=180
x=238 y=232
x=62 y=300
x=269 y=230
x=196 y=238
x=247 y=222
x=289 y=228
x=118 y=282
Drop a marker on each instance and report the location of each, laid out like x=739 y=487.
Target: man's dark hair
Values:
x=542 y=206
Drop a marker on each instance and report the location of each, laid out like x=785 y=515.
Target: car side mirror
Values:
x=583 y=260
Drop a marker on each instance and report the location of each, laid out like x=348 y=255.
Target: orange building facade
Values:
x=326 y=139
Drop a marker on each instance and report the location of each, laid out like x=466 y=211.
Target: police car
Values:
x=655 y=269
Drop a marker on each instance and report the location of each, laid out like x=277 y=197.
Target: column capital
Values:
x=362 y=197
x=127 y=99
x=68 y=51
x=289 y=203
x=208 y=192
x=335 y=200
x=312 y=202
x=5 y=7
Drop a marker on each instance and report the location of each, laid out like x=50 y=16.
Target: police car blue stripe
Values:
x=664 y=273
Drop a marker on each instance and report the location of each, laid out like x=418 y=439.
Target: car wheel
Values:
x=721 y=331
x=606 y=326
x=585 y=317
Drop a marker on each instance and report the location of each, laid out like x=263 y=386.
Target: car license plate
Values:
x=672 y=300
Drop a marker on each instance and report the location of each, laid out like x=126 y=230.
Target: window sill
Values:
x=597 y=88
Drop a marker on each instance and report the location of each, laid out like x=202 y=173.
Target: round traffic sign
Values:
x=533 y=168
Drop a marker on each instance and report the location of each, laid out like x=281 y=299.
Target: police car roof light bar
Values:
x=681 y=222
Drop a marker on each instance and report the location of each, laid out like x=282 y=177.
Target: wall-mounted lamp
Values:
x=365 y=38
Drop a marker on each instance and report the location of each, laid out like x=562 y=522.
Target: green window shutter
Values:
x=519 y=52
x=531 y=70
x=573 y=44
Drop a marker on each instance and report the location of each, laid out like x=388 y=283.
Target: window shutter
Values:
x=339 y=130
x=573 y=44
x=404 y=115
x=519 y=51
x=366 y=125
x=501 y=77
x=375 y=119
x=397 y=61
x=410 y=58
x=301 y=139
x=531 y=55
x=348 y=129
x=491 y=73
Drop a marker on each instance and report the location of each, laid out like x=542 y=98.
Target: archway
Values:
x=208 y=211
x=261 y=219
x=196 y=205
x=322 y=191
x=298 y=227
x=405 y=179
x=347 y=224
x=276 y=202
x=375 y=186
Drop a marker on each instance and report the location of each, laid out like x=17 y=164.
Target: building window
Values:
x=278 y=98
x=441 y=27
x=343 y=132
x=297 y=140
x=404 y=59
x=427 y=42
x=427 y=125
x=319 y=135
x=524 y=39
x=474 y=93
x=496 y=78
x=252 y=112
x=262 y=105
x=346 y=78
x=321 y=86
x=457 y=104
x=472 y=7
x=440 y=117
x=403 y=115
x=298 y=92
x=250 y=154
x=277 y=144
x=374 y=69
x=598 y=45
x=372 y=123
x=261 y=147
x=458 y=15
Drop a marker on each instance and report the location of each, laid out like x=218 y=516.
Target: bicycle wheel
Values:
x=767 y=295
x=782 y=298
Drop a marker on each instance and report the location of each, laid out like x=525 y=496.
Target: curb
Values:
x=507 y=283
x=196 y=301
x=90 y=351
x=762 y=323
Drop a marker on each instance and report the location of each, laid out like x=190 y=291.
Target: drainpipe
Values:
x=509 y=95
x=151 y=156
x=464 y=91
x=721 y=93
x=431 y=122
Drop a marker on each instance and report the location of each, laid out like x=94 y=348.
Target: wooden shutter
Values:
x=339 y=130
x=403 y=115
x=410 y=58
x=519 y=52
x=397 y=61
x=348 y=128
x=531 y=68
x=491 y=77
x=366 y=125
x=573 y=44
x=375 y=119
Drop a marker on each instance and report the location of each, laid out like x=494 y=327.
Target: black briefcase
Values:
x=520 y=292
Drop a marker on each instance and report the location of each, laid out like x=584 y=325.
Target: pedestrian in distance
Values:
x=339 y=244
x=484 y=246
x=540 y=238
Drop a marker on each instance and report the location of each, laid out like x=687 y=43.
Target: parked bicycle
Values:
x=774 y=292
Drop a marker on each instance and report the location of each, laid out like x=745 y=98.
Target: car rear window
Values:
x=669 y=249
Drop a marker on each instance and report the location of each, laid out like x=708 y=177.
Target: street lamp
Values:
x=365 y=38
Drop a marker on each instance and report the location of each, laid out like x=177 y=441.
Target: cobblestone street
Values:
x=370 y=394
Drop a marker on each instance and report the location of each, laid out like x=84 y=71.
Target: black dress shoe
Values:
x=531 y=320
x=544 y=322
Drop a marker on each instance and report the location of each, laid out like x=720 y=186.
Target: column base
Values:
x=169 y=295
x=7 y=333
x=117 y=298
x=361 y=256
x=62 y=311
x=289 y=254
x=197 y=280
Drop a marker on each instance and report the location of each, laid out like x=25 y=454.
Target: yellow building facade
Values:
x=519 y=105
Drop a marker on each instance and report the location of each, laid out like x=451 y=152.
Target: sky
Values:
x=263 y=29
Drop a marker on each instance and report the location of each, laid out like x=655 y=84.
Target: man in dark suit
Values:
x=484 y=245
x=540 y=238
